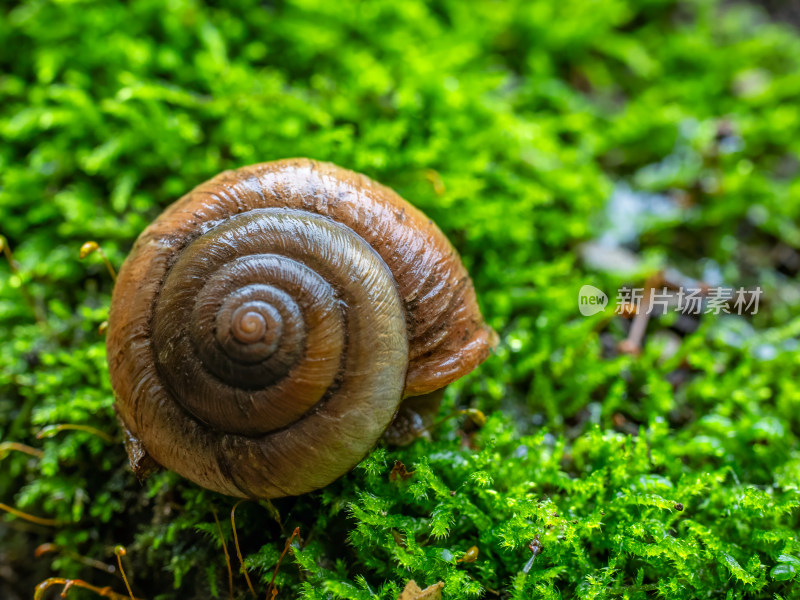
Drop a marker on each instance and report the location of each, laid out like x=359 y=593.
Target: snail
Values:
x=265 y=329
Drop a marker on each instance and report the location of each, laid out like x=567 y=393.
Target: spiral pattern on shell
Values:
x=267 y=325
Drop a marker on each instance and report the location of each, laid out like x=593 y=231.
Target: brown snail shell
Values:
x=266 y=327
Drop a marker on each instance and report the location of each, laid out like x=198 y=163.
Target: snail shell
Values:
x=265 y=328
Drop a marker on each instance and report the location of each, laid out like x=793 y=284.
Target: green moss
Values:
x=672 y=474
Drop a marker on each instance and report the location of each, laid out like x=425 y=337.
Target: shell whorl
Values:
x=266 y=327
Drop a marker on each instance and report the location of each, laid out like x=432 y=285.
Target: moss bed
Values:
x=519 y=127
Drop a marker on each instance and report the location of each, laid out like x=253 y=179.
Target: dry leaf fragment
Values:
x=413 y=592
x=399 y=471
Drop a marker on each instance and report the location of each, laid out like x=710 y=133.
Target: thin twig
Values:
x=633 y=343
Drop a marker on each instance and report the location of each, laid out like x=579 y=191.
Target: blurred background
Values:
x=557 y=144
